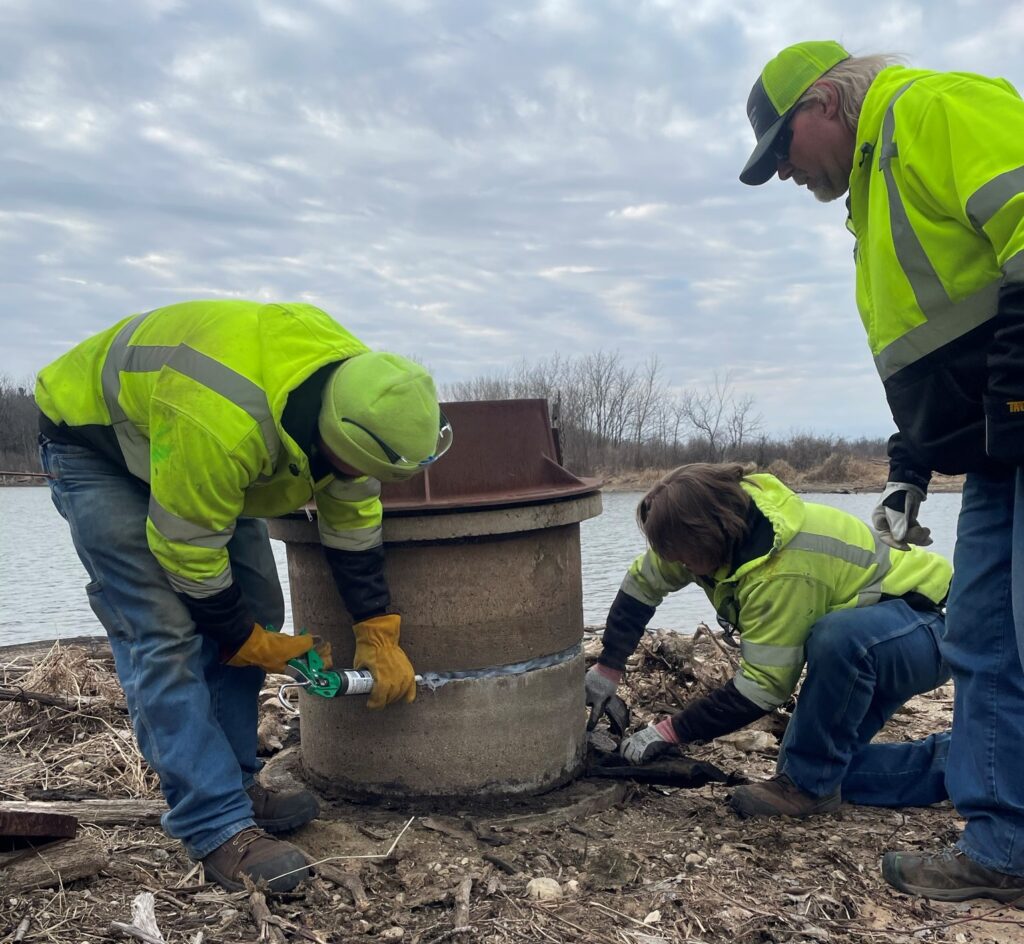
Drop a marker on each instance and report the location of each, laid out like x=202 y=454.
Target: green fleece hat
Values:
x=774 y=96
x=379 y=414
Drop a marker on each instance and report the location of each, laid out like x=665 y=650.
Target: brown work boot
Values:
x=949 y=876
x=281 y=812
x=780 y=797
x=252 y=852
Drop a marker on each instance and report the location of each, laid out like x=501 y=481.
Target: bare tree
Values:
x=18 y=426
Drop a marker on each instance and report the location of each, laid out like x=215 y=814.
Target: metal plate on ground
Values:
x=18 y=825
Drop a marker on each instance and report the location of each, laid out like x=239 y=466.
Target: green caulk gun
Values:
x=309 y=673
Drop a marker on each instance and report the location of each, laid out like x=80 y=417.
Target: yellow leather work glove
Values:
x=270 y=651
x=377 y=649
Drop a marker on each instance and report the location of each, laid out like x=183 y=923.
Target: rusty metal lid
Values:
x=504 y=452
x=19 y=825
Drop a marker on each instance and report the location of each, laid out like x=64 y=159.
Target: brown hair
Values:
x=696 y=511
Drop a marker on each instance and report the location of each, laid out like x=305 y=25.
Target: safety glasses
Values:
x=445 y=436
x=780 y=146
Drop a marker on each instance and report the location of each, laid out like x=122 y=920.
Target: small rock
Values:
x=750 y=741
x=392 y=934
x=695 y=858
x=572 y=887
x=543 y=889
x=653 y=918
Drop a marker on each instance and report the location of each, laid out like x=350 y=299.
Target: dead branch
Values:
x=99 y=812
x=55 y=864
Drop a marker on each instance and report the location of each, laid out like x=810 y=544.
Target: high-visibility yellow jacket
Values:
x=937 y=207
x=820 y=560
x=190 y=398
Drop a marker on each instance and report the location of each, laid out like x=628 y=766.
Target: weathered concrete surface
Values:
x=476 y=589
x=465 y=605
x=504 y=736
x=509 y=594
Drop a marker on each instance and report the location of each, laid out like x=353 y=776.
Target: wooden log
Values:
x=99 y=812
x=54 y=865
x=17 y=694
x=460 y=919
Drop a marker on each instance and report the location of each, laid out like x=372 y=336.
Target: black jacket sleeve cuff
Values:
x=360 y=578
x=627 y=620
x=224 y=617
x=903 y=467
x=723 y=711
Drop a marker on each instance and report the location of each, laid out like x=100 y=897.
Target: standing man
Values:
x=934 y=166
x=167 y=438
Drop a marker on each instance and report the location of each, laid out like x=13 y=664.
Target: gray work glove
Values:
x=895 y=516
x=646 y=745
x=600 y=683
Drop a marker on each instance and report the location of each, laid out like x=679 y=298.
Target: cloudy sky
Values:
x=467 y=182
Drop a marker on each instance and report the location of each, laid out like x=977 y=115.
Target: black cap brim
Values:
x=762 y=164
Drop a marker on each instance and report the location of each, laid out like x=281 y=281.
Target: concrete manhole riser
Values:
x=476 y=589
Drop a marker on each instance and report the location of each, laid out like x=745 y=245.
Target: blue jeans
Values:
x=862 y=665
x=194 y=718
x=984 y=644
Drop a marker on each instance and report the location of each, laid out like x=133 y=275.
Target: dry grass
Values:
x=840 y=472
x=663 y=866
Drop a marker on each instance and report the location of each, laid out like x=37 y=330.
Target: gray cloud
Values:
x=470 y=183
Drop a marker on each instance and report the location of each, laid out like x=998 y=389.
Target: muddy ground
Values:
x=628 y=863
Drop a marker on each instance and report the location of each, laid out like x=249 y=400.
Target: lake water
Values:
x=42 y=581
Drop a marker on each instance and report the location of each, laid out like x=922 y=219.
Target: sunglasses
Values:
x=445 y=437
x=780 y=146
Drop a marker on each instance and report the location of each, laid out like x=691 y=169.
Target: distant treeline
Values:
x=612 y=417
x=616 y=417
x=19 y=426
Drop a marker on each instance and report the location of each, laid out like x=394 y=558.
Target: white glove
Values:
x=600 y=683
x=895 y=516
x=644 y=746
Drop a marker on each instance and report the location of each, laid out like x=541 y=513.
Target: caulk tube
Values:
x=355 y=682
x=359 y=681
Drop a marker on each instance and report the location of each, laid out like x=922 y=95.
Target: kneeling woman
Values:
x=802 y=583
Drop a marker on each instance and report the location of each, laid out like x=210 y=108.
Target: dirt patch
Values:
x=630 y=864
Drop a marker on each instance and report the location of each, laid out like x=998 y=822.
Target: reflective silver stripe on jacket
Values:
x=186 y=532
x=872 y=593
x=200 y=589
x=658 y=586
x=991 y=197
x=357 y=539
x=232 y=386
x=946 y=319
x=757 y=653
x=134 y=446
x=879 y=558
x=353 y=490
x=750 y=690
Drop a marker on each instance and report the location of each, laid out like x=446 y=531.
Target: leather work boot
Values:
x=252 y=852
x=281 y=812
x=950 y=875
x=780 y=797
